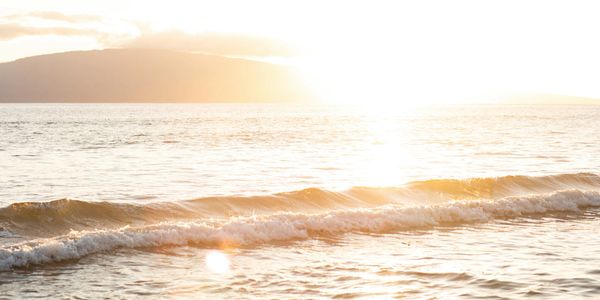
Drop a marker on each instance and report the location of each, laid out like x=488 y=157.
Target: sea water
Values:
x=299 y=201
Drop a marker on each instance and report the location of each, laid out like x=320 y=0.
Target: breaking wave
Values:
x=288 y=226
x=43 y=219
x=41 y=232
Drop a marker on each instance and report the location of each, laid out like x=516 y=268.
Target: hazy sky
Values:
x=353 y=49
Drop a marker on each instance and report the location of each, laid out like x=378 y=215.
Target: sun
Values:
x=383 y=82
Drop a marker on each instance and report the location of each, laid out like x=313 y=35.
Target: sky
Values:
x=352 y=50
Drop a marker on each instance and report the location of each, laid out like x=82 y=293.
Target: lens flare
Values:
x=217 y=262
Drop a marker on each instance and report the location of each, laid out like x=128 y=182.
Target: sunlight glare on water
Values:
x=132 y=152
x=264 y=201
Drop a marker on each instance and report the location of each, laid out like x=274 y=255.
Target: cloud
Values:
x=53 y=16
x=55 y=23
x=13 y=30
x=214 y=43
x=138 y=35
x=105 y=31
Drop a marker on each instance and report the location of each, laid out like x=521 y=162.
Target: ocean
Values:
x=286 y=201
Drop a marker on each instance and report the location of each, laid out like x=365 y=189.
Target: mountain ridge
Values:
x=147 y=75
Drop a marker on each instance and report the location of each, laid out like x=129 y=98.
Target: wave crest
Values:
x=247 y=231
x=38 y=219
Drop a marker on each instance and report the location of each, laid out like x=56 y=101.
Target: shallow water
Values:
x=539 y=256
x=274 y=201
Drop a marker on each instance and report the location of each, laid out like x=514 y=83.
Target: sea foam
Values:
x=59 y=217
x=248 y=231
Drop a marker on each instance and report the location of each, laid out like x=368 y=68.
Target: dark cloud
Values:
x=15 y=30
x=214 y=43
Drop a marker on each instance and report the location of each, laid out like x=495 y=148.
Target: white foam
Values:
x=290 y=226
